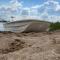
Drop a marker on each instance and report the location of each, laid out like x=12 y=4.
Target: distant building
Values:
x=2 y=23
x=27 y=26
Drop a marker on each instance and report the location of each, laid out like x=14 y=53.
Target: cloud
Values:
x=15 y=4
x=58 y=7
x=15 y=8
x=49 y=6
x=11 y=8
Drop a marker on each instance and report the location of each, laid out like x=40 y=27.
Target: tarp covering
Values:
x=37 y=27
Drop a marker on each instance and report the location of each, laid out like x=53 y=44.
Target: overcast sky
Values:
x=41 y=9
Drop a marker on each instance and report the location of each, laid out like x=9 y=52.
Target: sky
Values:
x=37 y=9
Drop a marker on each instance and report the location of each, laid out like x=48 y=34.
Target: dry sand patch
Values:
x=30 y=46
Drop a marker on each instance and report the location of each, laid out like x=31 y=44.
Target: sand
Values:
x=30 y=46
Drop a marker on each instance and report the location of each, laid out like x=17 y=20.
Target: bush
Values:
x=54 y=26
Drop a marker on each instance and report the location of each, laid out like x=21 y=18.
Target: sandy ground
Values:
x=30 y=46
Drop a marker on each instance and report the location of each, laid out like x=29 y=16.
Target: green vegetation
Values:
x=54 y=26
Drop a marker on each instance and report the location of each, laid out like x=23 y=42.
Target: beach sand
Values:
x=30 y=46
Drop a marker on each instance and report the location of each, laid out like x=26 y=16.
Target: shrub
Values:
x=54 y=26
